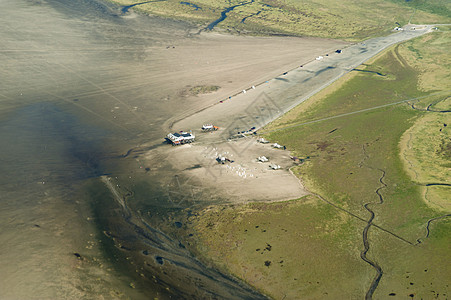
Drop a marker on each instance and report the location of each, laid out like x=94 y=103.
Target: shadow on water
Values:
x=51 y=144
x=48 y=144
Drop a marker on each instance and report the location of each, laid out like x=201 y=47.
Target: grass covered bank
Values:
x=347 y=19
x=310 y=249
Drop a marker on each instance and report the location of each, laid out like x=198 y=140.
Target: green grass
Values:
x=437 y=7
x=345 y=160
x=336 y=163
x=425 y=146
x=345 y=19
x=275 y=247
x=203 y=89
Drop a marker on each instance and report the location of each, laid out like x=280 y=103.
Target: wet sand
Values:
x=89 y=92
x=81 y=86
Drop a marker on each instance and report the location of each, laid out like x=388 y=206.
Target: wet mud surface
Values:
x=79 y=100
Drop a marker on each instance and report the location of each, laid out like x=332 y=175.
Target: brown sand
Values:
x=242 y=180
x=233 y=63
x=70 y=65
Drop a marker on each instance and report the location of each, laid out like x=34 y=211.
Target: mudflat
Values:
x=88 y=92
x=81 y=86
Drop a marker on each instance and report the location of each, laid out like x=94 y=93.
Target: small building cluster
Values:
x=179 y=138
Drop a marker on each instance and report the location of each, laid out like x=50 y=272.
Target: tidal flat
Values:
x=86 y=90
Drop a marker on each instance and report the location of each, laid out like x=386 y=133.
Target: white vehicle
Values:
x=263 y=141
x=209 y=127
x=274 y=167
x=275 y=145
x=179 y=138
x=262 y=159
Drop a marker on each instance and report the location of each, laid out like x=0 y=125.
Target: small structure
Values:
x=275 y=145
x=262 y=140
x=262 y=159
x=222 y=160
x=319 y=57
x=274 y=166
x=209 y=127
x=180 y=138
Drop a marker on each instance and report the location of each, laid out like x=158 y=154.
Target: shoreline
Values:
x=335 y=64
x=256 y=107
x=99 y=89
x=241 y=266
x=200 y=168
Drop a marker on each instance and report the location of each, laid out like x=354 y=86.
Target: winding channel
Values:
x=419 y=241
x=224 y=15
x=125 y=9
x=429 y=107
x=366 y=243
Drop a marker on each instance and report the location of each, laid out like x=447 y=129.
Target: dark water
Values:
x=196 y=7
x=224 y=14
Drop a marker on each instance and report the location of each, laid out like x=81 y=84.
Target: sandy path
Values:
x=245 y=179
x=273 y=98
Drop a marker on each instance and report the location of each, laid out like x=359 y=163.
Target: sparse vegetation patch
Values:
x=203 y=89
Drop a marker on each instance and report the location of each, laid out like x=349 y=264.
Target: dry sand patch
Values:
x=233 y=63
x=244 y=179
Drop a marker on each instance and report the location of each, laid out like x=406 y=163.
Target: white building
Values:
x=179 y=138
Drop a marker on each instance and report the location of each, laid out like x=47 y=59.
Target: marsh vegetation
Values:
x=360 y=173
x=347 y=19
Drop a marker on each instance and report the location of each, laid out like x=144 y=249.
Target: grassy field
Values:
x=350 y=161
x=275 y=247
x=345 y=19
x=426 y=146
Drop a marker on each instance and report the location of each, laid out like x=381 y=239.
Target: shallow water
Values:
x=65 y=118
x=76 y=103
